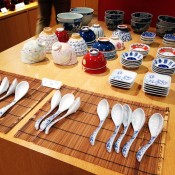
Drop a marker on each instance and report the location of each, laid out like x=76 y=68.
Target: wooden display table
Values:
x=21 y=157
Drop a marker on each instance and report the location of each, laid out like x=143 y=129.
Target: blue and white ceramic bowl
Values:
x=70 y=21
x=114 y=14
x=148 y=35
x=86 y=12
x=169 y=37
x=106 y=47
x=98 y=30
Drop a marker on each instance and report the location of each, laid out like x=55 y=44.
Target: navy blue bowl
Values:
x=112 y=24
x=139 y=27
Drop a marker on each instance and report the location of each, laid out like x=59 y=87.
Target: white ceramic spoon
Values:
x=74 y=107
x=127 y=116
x=54 y=103
x=155 y=124
x=102 y=111
x=11 y=89
x=4 y=85
x=20 y=91
x=117 y=117
x=138 y=120
x=65 y=103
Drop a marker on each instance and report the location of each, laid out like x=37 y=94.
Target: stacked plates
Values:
x=147 y=37
x=122 y=78
x=131 y=59
x=166 y=52
x=141 y=48
x=163 y=66
x=169 y=40
x=156 y=84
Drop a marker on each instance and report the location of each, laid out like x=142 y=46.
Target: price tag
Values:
x=19 y=5
x=51 y=83
x=4 y=10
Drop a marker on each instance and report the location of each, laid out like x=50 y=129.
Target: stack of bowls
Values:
x=131 y=60
x=147 y=37
x=163 y=66
x=140 y=21
x=165 y=24
x=169 y=40
x=141 y=48
x=113 y=18
x=166 y=52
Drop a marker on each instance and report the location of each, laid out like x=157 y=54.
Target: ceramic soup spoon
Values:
x=155 y=124
x=54 y=103
x=102 y=111
x=20 y=91
x=11 y=89
x=138 y=120
x=65 y=103
x=127 y=116
x=4 y=85
x=74 y=107
x=117 y=117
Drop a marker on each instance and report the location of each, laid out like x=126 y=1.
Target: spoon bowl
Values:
x=4 y=85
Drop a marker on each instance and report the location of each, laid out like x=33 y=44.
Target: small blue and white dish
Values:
x=106 y=47
x=86 y=12
x=71 y=22
x=169 y=37
x=88 y=35
x=148 y=34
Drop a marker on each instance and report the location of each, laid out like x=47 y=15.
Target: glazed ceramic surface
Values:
x=33 y=52
x=114 y=14
x=78 y=44
x=118 y=43
x=98 y=30
x=106 y=47
x=161 y=30
x=49 y=37
x=86 y=12
x=94 y=62
x=71 y=22
x=63 y=54
x=166 y=20
x=88 y=35
x=62 y=35
x=123 y=33
x=142 y=17
x=140 y=27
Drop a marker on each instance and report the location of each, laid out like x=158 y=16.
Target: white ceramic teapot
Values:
x=63 y=54
x=33 y=52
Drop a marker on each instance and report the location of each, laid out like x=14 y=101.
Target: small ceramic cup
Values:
x=98 y=30
x=62 y=35
x=118 y=43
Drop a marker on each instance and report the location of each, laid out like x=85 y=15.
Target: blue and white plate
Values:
x=164 y=63
x=169 y=37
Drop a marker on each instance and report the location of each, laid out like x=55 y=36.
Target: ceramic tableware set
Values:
x=156 y=84
x=141 y=48
x=122 y=78
x=147 y=37
x=66 y=103
x=131 y=60
x=19 y=89
x=163 y=66
x=166 y=52
x=124 y=115
x=169 y=40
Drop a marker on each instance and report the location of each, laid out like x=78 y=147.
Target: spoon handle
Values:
x=93 y=136
x=37 y=123
x=4 y=109
x=111 y=139
x=48 y=120
x=127 y=146
x=142 y=150
x=118 y=142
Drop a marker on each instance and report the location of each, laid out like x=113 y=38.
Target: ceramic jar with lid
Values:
x=78 y=44
x=88 y=35
x=33 y=52
x=97 y=29
x=94 y=62
x=118 y=43
x=106 y=47
x=63 y=54
x=49 y=37
x=62 y=35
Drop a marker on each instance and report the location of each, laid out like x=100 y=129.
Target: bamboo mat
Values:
x=71 y=135
x=35 y=94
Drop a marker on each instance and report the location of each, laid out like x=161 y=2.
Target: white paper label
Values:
x=4 y=10
x=19 y=5
x=51 y=83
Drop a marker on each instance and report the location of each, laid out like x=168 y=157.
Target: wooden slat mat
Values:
x=71 y=135
x=35 y=94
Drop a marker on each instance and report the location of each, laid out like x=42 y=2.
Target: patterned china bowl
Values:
x=141 y=48
x=98 y=30
x=148 y=35
x=169 y=37
x=164 y=63
x=166 y=20
x=141 y=17
x=132 y=56
x=140 y=27
x=166 y=52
